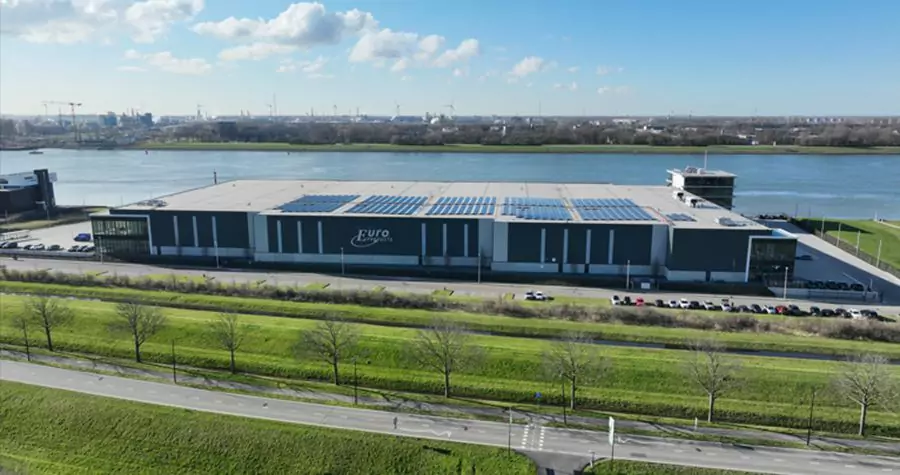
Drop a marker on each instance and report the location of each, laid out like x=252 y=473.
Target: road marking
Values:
x=849 y=466
x=426 y=425
x=745 y=457
x=541 y=439
x=887 y=469
x=679 y=451
x=525 y=437
x=814 y=463
x=779 y=460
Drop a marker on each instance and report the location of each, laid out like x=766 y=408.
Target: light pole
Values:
x=99 y=248
x=342 y=262
x=216 y=247
x=174 y=377
x=355 y=384
x=563 y=387
x=479 y=264
x=812 y=405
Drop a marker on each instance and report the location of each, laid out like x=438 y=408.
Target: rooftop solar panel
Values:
x=614 y=213
x=603 y=203
x=681 y=217
x=463 y=206
x=389 y=205
x=317 y=203
x=532 y=201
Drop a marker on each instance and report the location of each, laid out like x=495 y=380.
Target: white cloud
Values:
x=610 y=90
x=462 y=53
x=166 y=61
x=604 y=70
x=303 y=25
x=460 y=72
x=254 y=51
x=573 y=86
x=313 y=69
x=529 y=66
x=573 y=69
x=77 y=21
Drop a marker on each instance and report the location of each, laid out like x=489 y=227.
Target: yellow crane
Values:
x=72 y=106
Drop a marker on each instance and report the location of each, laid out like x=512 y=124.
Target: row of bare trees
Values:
x=448 y=348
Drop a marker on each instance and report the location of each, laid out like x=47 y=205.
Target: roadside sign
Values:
x=612 y=431
x=537 y=395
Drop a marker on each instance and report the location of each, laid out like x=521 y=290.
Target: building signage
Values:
x=369 y=237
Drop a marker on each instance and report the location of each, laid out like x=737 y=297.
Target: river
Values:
x=859 y=186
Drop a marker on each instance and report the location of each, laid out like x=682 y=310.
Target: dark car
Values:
x=756 y=308
x=744 y=309
x=626 y=300
x=827 y=312
x=857 y=287
x=815 y=311
x=869 y=314
x=804 y=257
x=694 y=305
x=660 y=303
x=83 y=237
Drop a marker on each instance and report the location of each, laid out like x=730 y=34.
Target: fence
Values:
x=844 y=245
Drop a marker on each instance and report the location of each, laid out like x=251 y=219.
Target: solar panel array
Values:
x=681 y=217
x=317 y=203
x=463 y=205
x=389 y=204
x=610 y=209
x=544 y=209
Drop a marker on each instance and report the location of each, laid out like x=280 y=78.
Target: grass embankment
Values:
x=772 y=391
x=475 y=148
x=483 y=323
x=870 y=233
x=52 y=431
x=628 y=467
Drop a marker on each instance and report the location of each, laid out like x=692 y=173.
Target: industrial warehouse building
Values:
x=523 y=228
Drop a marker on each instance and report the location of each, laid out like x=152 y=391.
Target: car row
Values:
x=726 y=305
x=832 y=285
x=50 y=248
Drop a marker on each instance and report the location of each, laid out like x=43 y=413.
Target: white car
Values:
x=856 y=314
x=709 y=305
x=615 y=300
x=673 y=304
x=538 y=295
x=683 y=303
x=771 y=310
x=726 y=307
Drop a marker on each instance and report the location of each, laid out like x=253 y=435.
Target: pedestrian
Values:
x=395 y=422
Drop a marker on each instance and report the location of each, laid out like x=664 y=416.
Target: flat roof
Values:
x=692 y=171
x=658 y=203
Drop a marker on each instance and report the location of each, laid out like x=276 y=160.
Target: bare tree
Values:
x=229 y=333
x=139 y=321
x=330 y=341
x=708 y=367
x=21 y=322
x=445 y=347
x=49 y=314
x=574 y=361
x=867 y=380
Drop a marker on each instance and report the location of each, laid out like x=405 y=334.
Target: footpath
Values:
x=498 y=411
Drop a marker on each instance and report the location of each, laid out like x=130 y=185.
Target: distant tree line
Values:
x=545 y=133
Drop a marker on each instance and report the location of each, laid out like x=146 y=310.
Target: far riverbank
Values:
x=531 y=149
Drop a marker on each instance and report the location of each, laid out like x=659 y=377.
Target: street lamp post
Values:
x=341 y=281
x=479 y=264
x=355 y=384
x=784 y=293
x=812 y=405
x=563 y=384
x=628 y=274
x=216 y=247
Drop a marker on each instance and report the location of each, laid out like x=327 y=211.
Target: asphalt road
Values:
x=392 y=284
x=532 y=439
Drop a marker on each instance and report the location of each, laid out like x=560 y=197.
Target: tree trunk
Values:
x=232 y=362
x=137 y=350
x=863 y=413
x=334 y=369
x=49 y=338
x=712 y=408
x=572 y=396
x=446 y=384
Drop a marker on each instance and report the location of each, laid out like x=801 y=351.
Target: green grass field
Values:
x=53 y=431
x=628 y=467
x=474 y=148
x=773 y=391
x=494 y=324
x=870 y=234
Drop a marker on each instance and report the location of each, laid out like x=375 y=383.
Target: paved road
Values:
x=393 y=284
x=533 y=439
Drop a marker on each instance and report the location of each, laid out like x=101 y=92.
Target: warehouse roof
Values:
x=515 y=202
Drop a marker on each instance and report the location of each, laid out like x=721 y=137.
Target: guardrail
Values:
x=63 y=254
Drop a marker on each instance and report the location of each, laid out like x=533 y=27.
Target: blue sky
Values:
x=799 y=57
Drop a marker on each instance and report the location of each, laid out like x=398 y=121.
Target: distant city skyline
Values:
x=575 y=58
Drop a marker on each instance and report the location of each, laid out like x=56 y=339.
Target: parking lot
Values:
x=62 y=236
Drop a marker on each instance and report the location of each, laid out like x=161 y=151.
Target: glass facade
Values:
x=121 y=236
x=770 y=258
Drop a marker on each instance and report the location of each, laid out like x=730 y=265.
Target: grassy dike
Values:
x=475 y=148
x=53 y=431
x=492 y=324
x=772 y=391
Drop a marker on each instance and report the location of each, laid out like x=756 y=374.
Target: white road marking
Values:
x=541 y=439
x=745 y=457
x=679 y=451
x=426 y=425
x=779 y=460
x=525 y=437
x=887 y=469
x=849 y=466
x=218 y=401
x=814 y=463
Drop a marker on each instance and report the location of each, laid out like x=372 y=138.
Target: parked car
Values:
x=857 y=287
x=827 y=312
x=708 y=305
x=83 y=237
x=9 y=245
x=530 y=295
x=694 y=305
x=771 y=310
x=626 y=300
x=683 y=303
x=727 y=307
x=639 y=302
x=804 y=257
x=615 y=300
x=755 y=308
x=815 y=311
x=744 y=309
x=660 y=303
x=870 y=314
x=54 y=247
x=856 y=314
x=674 y=304
x=38 y=247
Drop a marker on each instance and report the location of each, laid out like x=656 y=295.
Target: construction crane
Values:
x=72 y=106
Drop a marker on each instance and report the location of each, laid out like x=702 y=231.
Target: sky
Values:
x=466 y=57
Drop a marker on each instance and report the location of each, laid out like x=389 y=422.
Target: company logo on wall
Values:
x=370 y=237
